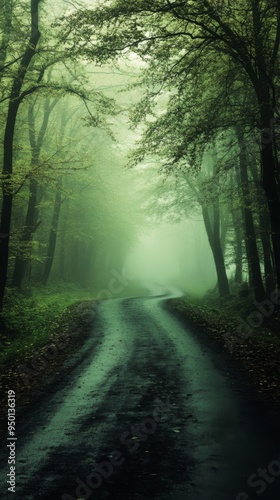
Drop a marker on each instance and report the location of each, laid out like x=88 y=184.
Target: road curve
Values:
x=145 y=409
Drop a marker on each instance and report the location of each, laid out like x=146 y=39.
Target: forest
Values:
x=140 y=146
x=198 y=98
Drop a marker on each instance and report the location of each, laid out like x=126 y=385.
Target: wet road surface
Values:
x=145 y=409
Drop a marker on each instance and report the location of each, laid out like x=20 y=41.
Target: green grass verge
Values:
x=31 y=317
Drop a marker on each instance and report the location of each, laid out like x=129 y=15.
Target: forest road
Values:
x=154 y=411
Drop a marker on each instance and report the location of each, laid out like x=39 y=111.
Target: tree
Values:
x=175 y=37
x=16 y=97
x=31 y=222
x=6 y=28
x=251 y=243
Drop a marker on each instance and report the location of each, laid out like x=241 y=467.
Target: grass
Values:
x=30 y=318
x=234 y=311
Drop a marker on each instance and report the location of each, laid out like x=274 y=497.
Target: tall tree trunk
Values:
x=53 y=235
x=251 y=243
x=62 y=256
x=213 y=233
x=224 y=231
x=272 y=195
x=7 y=8
x=238 y=277
x=64 y=243
x=263 y=88
x=14 y=103
x=215 y=244
x=30 y=227
x=28 y=231
x=265 y=234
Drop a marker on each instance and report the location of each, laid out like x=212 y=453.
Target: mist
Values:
x=174 y=256
x=117 y=159
x=140 y=249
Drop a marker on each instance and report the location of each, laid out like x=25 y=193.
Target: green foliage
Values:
x=30 y=318
x=65 y=142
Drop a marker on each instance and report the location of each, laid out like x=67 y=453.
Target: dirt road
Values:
x=153 y=410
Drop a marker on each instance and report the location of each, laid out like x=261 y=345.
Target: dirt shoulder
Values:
x=69 y=332
x=258 y=353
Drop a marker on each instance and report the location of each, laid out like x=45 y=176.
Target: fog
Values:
x=153 y=251
x=170 y=255
x=100 y=204
x=161 y=253
x=174 y=256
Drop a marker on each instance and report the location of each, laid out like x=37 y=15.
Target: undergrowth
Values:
x=29 y=318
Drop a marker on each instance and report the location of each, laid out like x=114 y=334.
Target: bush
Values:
x=30 y=317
